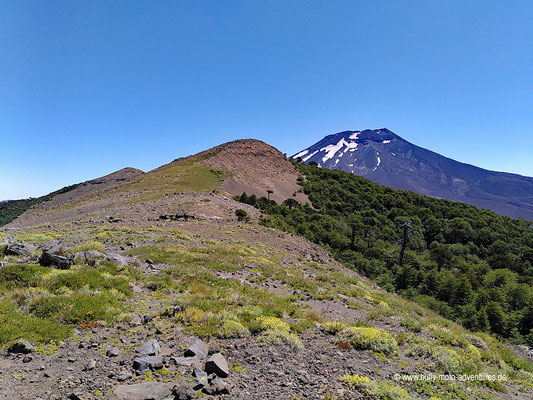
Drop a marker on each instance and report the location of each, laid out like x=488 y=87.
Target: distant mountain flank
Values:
x=388 y=159
x=12 y=209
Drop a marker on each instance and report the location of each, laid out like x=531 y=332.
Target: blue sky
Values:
x=88 y=87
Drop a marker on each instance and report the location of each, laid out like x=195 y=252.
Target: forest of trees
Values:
x=468 y=264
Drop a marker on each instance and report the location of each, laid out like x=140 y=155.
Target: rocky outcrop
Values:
x=54 y=254
x=116 y=258
x=91 y=257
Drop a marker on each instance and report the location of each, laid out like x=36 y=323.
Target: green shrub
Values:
x=16 y=325
x=301 y=325
x=242 y=215
x=36 y=237
x=104 y=235
x=411 y=324
x=39 y=303
x=420 y=350
x=334 y=327
x=78 y=277
x=87 y=246
x=12 y=276
x=448 y=360
x=250 y=313
x=451 y=361
x=78 y=306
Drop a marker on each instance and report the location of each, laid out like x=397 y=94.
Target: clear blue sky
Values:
x=89 y=87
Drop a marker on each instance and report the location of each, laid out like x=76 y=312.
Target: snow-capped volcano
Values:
x=386 y=158
x=351 y=151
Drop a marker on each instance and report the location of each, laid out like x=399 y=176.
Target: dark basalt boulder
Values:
x=48 y=259
x=19 y=249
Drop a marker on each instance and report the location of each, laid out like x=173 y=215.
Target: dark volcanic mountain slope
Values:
x=387 y=159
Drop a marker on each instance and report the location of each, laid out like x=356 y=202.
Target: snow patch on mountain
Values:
x=301 y=154
x=377 y=165
x=351 y=146
x=309 y=156
x=332 y=149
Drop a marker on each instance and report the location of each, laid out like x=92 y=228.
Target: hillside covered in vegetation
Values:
x=468 y=264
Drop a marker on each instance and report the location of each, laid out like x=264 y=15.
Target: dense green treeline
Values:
x=471 y=265
x=10 y=210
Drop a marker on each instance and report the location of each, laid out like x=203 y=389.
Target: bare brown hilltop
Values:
x=254 y=167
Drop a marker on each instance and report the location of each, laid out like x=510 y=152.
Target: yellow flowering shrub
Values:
x=473 y=351
x=448 y=360
x=451 y=361
x=384 y=304
x=370 y=339
x=357 y=382
x=191 y=315
x=381 y=390
x=276 y=331
x=232 y=329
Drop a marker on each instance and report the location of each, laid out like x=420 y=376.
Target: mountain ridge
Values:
x=200 y=183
